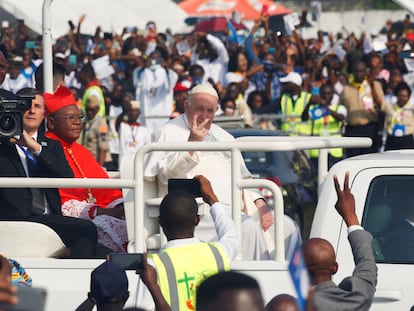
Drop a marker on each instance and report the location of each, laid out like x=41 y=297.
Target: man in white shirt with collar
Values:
x=185 y=261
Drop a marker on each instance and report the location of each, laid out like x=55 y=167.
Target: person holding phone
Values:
x=357 y=291
x=185 y=261
x=363 y=98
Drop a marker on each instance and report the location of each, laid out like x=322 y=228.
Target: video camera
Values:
x=12 y=108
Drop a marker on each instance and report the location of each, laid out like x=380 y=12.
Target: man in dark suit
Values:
x=357 y=291
x=34 y=155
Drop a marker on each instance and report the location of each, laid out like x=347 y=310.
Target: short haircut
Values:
x=178 y=210
x=58 y=72
x=358 y=63
x=255 y=93
x=325 y=86
x=212 y=287
x=195 y=67
x=402 y=86
x=29 y=91
x=88 y=70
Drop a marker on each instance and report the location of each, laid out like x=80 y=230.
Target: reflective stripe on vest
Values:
x=181 y=269
x=333 y=128
x=292 y=121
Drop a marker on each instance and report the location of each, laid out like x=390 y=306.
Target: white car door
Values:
x=382 y=196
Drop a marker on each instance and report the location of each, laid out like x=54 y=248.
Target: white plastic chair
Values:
x=30 y=239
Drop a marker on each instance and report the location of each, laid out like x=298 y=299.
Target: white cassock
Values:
x=216 y=166
x=113 y=137
x=154 y=90
x=132 y=136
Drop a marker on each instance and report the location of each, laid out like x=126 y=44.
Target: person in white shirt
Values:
x=132 y=134
x=154 y=90
x=212 y=55
x=184 y=254
x=196 y=125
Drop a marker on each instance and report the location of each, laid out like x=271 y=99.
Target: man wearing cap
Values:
x=37 y=156
x=196 y=125
x=132 y=134
x=108 y=289
x=103 y=206
x=93 y=91
x=292 y=105
x=180 y=96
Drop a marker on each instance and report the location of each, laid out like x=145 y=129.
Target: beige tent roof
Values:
x=109 y=14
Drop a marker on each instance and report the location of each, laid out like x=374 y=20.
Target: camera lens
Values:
x=8 y=125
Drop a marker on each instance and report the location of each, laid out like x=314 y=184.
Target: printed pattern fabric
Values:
x=112 y=231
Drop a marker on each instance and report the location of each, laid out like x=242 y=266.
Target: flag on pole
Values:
x=317 y=10
x=299 y=275
x=232 y=34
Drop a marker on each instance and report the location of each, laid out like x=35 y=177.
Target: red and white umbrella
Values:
x=217 y=24
x=204 y=8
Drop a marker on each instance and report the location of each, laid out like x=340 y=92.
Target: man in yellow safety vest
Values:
x=184 y=262
x=292 y=104
x=325 y=118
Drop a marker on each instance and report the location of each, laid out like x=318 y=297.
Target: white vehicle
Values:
x=372 y=178
x=382 y=185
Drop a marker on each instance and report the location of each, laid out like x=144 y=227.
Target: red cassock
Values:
x=88 y=167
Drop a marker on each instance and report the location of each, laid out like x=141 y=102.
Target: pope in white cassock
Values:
x=196 y=125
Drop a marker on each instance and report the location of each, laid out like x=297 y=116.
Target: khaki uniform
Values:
x=95 y=137
x=360 y=106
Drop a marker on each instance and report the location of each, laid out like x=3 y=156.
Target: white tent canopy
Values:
x=111 y=15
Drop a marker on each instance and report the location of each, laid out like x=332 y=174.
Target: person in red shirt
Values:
x=103 y=206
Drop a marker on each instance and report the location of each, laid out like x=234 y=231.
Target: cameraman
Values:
x=32 y=155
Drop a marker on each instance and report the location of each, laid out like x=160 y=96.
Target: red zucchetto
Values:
x=61 y=98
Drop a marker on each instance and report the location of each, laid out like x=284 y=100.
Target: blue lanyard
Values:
x=29 y=157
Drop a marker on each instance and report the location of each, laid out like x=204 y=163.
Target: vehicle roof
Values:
x=395 y=155
x=254 y=132
x=397 y=158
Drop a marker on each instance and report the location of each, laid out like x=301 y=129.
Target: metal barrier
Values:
x=251 y=143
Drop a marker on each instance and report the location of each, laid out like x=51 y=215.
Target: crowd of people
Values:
x=114 y=92
x=333 y=84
